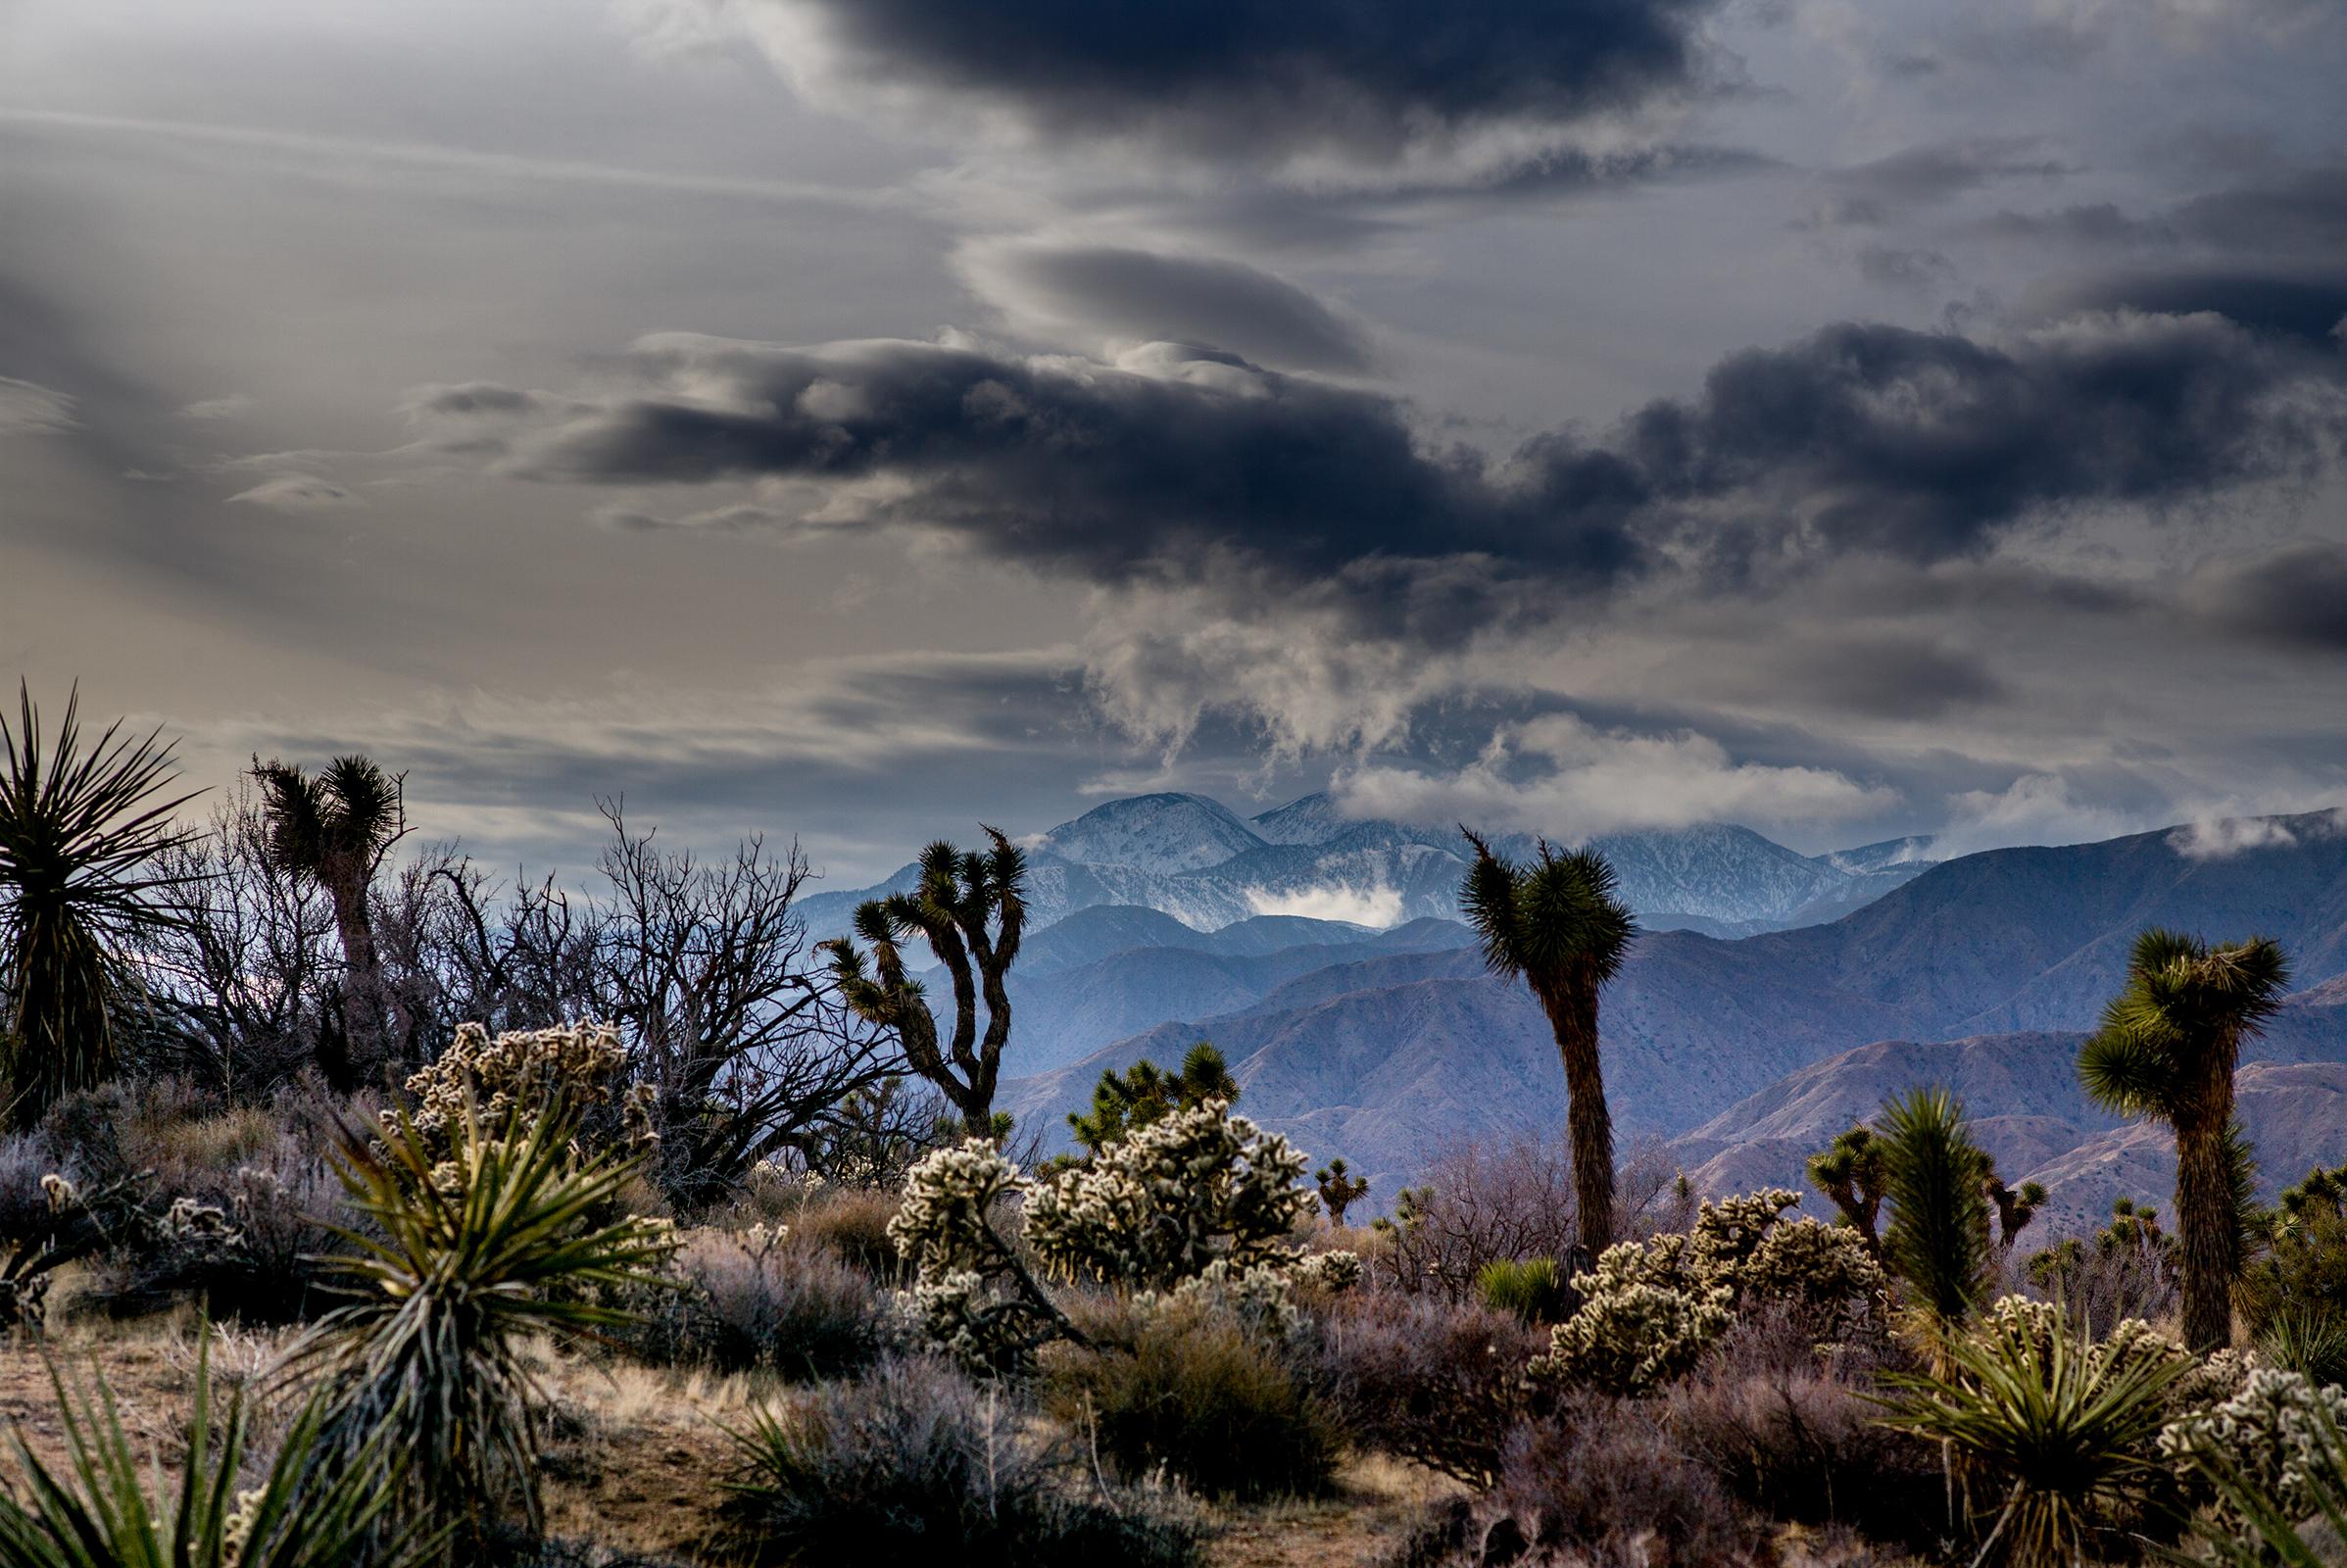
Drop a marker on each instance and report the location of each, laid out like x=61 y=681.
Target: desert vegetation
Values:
x=358 y=1206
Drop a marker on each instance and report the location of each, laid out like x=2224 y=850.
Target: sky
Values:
x=857 y=419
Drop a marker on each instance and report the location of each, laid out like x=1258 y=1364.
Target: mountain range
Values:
x=1745 y=1053
x=1193 y=858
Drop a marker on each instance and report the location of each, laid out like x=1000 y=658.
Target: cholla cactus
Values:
x=1162 y=1204
x=2280 y=1434
x=972 y=1297
x=574 y=1066
x=1643 y=1320
x=1333 y=1270
x=1650 y=1309
x=1828 y=1270
x=1730 y=1230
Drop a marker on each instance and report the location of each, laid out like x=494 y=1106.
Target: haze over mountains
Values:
x=1193 y=858
x=1383 y=1047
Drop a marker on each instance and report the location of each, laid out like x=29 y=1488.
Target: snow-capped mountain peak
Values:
x=1167 y=834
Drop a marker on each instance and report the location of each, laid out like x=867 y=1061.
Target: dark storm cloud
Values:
x=1149 y=296
x=2308 y=307
x=1908 y=445
x=1869 y=194
x=1263 y=79
x=2297 y=595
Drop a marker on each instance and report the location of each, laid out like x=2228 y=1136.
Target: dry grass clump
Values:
x=1197 y=1392
x=914 y=1462
x=758 y=1300
x=1601 y=1482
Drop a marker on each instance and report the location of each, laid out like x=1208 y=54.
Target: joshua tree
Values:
x=1557 y=924
x=2167 y=1049
x=333 y=829
x=1339 y=1189
x=1939 y=1236
x=82 y=828
x=2015 y=1207
x=1127 y=1102
x=1850 y=1172
x=972 y=908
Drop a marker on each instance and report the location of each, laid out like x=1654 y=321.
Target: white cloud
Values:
x=1379 y=907
x=2035 y=809
x=2212 y=838
x=28 y=408
x=222 y=408
x=297 y=491
x=1566 y=778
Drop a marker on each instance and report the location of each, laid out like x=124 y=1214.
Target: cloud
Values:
x=1276 y=83
x=1864 y=195
x=2217 y=838
x=1861 y=437
x=230 y=406
x=2294 y=596
x=2035 y=809
x=2308 y=305
x=1379 y=907
x=1560 y=775
x=297 y=493
x=26 y=408
x=1103 y=292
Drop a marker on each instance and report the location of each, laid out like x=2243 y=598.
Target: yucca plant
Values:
x=100 y=1512
x=472 y=1256
x=2065 y=1435
x=1938 y=1243
x=2308 y=1340
x=83 y=826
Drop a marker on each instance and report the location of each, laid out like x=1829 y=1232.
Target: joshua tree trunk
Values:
x=1573 y=1015
x=2203 y=1205
x=372 y=1034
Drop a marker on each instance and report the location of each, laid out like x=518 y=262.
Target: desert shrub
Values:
x=2063 y=1430
x=1799 y=1438
x=26 y=1160
x=1420 y=1379
x=760 y=1299
x=1532 y=1288
x=1214 y=1399
x=1479 y=1204
x=2274 y=1444
x=1599 y=1484
x=912 y=1462
x=2128 y=1270
x=1191 y=1188
x=852 y=1224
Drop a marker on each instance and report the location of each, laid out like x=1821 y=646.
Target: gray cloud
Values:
x=1913 y=445
x=28 y=408
x=1106 y=291
x=1263 y=81
x=2294 y=596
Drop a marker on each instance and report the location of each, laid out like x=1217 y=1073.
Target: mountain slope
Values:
x=1189 y=858
x=1384 y=1060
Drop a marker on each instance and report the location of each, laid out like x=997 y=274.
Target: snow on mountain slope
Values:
x=1167 y=834
x=1189 y=858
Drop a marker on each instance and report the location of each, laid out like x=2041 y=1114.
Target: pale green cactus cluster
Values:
x=2280 y=1431
x=1649 y=1310
x=1198 y=1203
